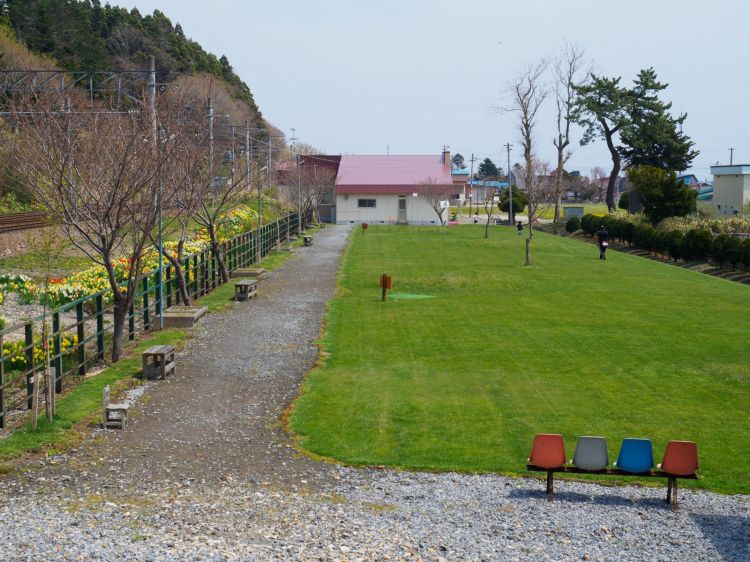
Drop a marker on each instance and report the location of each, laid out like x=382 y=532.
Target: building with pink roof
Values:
x=391 y=189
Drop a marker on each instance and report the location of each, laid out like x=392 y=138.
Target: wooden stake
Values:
x=35 y=400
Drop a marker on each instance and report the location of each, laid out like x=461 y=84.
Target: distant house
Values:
x=460 y=180
x=731 y=188
x=689 y=180
x=390 y=189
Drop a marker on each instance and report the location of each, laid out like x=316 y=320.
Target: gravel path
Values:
x=205 y=471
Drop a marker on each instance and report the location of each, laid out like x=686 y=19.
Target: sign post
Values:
x=386 y=282
x=364 y=227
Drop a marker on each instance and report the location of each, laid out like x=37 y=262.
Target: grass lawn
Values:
x=572 y=345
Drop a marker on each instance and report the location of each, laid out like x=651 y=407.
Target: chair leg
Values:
x=674 y=494
x=550 y=486
x=669 y=489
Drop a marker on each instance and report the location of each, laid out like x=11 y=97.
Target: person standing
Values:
x=602 y=236
x=519 y=226
x=476 y=218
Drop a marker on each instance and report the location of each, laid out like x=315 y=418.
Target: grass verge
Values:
x=82 y=404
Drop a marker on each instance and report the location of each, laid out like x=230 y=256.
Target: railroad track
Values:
x=22 y=221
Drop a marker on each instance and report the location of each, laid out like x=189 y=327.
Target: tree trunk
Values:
x=177 y=265
x=118 y=327
x=558 y=186
x=216 y=250
x=528 y=245
x=616 y=167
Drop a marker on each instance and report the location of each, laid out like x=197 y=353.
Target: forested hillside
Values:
x=84 y=35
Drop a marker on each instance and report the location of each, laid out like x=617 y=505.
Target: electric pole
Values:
x=299 y=196
x=471 y=184
x=508 y=146
x=731 y=156
x=155 y=140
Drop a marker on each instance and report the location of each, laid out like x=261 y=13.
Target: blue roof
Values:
x=460 y=172
x=482 y=183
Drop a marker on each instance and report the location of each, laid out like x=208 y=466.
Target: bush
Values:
x=627 y=232
x=719 y=249
x=590 y=224
x=673 y=244
x=573 y=224
x=624 y=202
x=745 y=253
x=643 y=236
x=697 y=244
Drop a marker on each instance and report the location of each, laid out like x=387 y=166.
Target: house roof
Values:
x=390 y=174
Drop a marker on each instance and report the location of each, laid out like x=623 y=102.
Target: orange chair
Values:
x=548 y=451
x=680 y=459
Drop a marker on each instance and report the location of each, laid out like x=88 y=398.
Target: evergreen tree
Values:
x=653 y=137
x=661 y=194
x=488 y=170
x=458 y=161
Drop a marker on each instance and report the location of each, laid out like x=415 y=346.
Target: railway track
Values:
x=22 y=221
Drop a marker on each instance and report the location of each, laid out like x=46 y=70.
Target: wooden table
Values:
x=158 y=361
x=245 y=289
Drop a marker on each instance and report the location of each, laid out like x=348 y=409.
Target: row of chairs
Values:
x=636 y=458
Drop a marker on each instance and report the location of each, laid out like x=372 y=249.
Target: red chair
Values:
x=548 y=451
x=680 y=459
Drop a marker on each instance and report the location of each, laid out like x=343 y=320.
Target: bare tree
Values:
x=540 y=196
x=567 y=69
x=435 y=193
x=97 y=174
x=490 y=199
x=527 y=94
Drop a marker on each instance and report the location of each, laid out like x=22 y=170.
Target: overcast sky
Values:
x=365 y=76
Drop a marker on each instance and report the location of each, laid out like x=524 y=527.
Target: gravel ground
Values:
x=204 y=471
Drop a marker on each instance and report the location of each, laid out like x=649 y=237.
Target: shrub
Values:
x=3 y=323
x=590 y=224
x=732 y=249
x=745 y=253
x=627 y=232
x=643 y=236
x=673 y=244
x=719 y=249
x=573 y=224
x=697 y=244
x=624 y=202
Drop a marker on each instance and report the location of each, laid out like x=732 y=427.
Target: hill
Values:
x=84 y=35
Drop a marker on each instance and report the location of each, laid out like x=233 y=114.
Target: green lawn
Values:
x=573 y=345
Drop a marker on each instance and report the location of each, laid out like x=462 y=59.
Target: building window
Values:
x=366 y=203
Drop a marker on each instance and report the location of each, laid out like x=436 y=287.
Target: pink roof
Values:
x=390 y=174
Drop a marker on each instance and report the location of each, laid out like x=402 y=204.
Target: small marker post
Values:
x=385 y=284
x=364 y=227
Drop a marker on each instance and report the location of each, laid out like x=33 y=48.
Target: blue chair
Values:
x=636 y=456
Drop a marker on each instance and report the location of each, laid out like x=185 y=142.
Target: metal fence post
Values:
x=81 y=336
x=145 y=310
x=2 y=384
x=195 y=276
x=28 y=349
x=131 y=321
x=99 y=327
x=168 y=285
x=57 y=348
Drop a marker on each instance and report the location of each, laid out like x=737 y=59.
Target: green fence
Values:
x=79 y=335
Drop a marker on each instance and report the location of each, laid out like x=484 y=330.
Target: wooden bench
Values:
x=114 y=415
x=307 y=240
x=245 y=289
x=158 y=361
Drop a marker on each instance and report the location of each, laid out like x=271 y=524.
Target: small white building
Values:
x=391 y=189
x=731 y=188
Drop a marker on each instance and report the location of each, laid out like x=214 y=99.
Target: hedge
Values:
x=695 y=244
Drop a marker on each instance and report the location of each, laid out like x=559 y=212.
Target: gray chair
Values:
x=591 y=453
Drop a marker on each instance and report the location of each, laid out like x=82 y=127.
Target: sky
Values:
x=410 y=76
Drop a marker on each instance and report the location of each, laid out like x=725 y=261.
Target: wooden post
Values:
x=50 y=401
x=2 y=385
x=385 y=284
x=57 y=348
x=131 y=322
x=29 y=352
x=168 y=285
x=35 y=399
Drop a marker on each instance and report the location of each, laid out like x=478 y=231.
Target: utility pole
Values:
x=299 y=195
x=211 y=144
x=471 y=184
x=508 y=146
x=249 y=161
x=155 y=140
x=731 y=156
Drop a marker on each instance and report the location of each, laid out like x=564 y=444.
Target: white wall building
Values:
x=731 y=188
x=391 y=189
